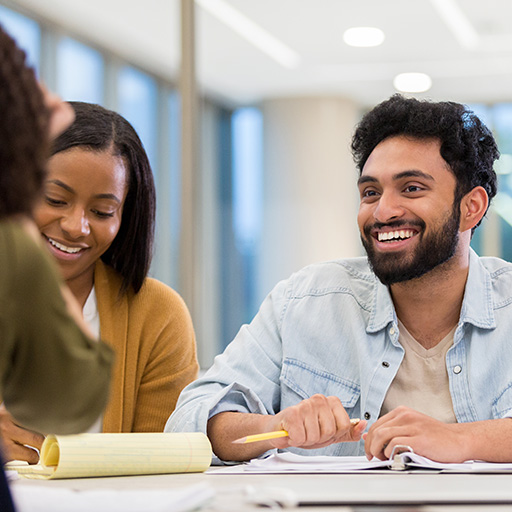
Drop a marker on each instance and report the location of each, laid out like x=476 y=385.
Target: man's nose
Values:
x=388 y=208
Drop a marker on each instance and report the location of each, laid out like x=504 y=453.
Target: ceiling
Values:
x=417 y=40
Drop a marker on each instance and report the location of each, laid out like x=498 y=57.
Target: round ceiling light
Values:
x=412 y=82
x=363 y=36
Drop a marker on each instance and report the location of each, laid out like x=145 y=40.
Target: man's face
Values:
x=408 y=220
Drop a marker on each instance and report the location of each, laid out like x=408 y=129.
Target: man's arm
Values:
x=313 y=423
x=489 y=440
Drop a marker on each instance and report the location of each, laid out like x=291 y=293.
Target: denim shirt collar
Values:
x=477 y=305
x=383 y=309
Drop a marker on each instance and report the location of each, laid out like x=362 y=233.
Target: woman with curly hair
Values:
x=44 y=342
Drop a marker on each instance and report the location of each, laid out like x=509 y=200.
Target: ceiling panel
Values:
x=417 y=39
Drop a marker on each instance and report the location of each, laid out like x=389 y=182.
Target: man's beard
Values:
x=432 y=250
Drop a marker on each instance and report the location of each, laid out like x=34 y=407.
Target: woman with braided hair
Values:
x=44 y=342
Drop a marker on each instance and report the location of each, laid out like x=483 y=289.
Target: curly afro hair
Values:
x=24 y=147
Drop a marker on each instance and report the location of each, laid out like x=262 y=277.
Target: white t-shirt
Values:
x=421 y=382
x=92 y=317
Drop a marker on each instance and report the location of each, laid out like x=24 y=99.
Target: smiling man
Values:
x=414 y=339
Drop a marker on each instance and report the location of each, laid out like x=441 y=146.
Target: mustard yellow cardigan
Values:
x=155 y=352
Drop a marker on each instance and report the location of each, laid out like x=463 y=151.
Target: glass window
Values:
x=502 y=125
x=25 y=31
x=246 y=205
x=247 y=177
x=138 y=97
x=80 y=72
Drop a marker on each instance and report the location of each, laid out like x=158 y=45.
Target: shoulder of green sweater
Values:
x=21 y=254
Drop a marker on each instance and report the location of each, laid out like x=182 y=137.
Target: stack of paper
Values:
x=94 y=455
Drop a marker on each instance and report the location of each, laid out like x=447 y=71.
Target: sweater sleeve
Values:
x=171 y=361
x=54 y=378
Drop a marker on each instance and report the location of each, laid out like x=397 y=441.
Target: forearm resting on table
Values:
x=489 y=440
x=225 y=427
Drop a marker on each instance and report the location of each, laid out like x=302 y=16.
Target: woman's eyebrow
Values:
x=108 y=196
x=62 y=185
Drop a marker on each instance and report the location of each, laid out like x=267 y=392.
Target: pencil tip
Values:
x=240 y=441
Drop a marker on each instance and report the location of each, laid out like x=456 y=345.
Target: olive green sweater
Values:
x=53 y=378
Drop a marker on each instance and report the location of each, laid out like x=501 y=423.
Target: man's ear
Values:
x=472 y=208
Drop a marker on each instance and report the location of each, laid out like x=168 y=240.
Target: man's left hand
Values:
x=442 y=442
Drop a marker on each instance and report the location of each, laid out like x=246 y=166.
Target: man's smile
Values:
x=391 y=236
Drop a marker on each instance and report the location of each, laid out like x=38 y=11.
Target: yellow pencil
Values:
x=274 y=435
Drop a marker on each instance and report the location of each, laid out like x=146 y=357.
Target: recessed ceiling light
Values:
x=363 y=36
x=412 y=82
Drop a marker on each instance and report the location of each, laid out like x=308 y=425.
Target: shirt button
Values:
x=385 y=364
x=367 y=415
x=457 y=369
x=392 y=331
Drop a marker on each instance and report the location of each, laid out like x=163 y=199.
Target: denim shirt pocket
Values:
x=301 y=381
x=502 y=405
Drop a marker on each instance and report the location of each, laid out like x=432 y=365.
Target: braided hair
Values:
x=24 y=145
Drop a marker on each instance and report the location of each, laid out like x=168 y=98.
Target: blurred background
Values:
x=246 y=109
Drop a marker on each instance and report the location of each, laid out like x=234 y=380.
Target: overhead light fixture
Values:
x=363 y=36
x=412 y=82
x=457 y=22
x=252 y=32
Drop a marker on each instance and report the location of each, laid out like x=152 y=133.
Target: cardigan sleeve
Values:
x=171 y=362
x=152 y=335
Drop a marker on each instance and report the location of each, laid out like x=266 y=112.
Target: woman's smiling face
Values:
x=80 y=213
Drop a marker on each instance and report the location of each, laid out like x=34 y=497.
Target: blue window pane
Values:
x=25 y=31
x=247 y=177
x=138 y=96
x=502 y=118
x=80 y=71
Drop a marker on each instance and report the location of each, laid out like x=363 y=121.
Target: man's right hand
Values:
x=313 y=423
x=14 y=440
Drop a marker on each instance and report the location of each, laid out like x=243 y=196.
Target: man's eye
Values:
x=413 y=188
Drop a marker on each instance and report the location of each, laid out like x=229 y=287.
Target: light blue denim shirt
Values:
x=331 y=328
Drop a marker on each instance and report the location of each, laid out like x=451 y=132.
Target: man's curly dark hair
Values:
x=24 y=145
x=467 y=145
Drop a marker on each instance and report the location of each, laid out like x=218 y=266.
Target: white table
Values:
x=423 y=491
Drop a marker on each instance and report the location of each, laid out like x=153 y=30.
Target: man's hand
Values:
x=14 y=439
x=442 y=442
x=314 y=423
